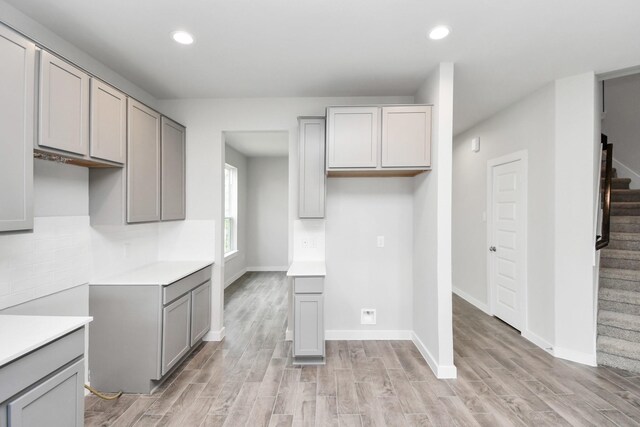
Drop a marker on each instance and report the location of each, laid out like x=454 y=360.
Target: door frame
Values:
x=522 y=156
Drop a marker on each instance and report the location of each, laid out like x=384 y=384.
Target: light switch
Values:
x=475 y=145
x=381 y=241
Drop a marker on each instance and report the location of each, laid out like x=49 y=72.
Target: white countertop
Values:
x=307 y=268
x=159 y=273
x=20 y=335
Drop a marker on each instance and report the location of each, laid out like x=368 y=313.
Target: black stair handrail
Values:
x=603 y=240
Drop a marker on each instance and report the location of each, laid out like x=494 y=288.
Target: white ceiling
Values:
x=503 y=49
x=259 y=144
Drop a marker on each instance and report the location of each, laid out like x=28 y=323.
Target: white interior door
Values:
x=507 y=234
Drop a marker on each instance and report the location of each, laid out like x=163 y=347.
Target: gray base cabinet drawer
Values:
x=176 y=338
x=57 y=402
x=309 y=325
x=182 y=286
x=200 y=312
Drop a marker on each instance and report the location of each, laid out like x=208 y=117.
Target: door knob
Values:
x=492 y=249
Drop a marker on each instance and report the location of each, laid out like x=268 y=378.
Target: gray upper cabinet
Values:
x=17 y=122
x=353 y=137
x=143 y=163
x=312 y=172
x=390 y=140
x=108 y=123
x=64 y=106
x=406 y=136
x=173 y=170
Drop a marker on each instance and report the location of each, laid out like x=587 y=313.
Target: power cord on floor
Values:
x=102 y=395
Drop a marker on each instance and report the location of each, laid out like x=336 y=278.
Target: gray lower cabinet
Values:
x=17 y=122
x=176 y=332
x=45 y=387
x=200 y=312
x=308 y=312
x=140 y=332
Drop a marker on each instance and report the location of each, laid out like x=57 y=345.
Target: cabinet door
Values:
x=173 y=170
x=17 y=121
x=108 y=123
x=312 y=171
x=200 y=312
x=309 y=325
x=406 y=136
x=176 y=339
x=64 y=106
x=57 y=402
x=143 y=163
x=353 y=137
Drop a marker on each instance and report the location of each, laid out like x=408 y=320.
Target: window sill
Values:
x=231 y=255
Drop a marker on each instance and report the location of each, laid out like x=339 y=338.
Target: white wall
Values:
x=577 y=171
x=621 y=124
x=360 y=274
x=206 y=120
x=432 y=311
x=526 y=125
x=267 y=224
x=236 y=265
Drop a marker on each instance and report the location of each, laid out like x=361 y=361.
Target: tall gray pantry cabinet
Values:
x=17 y=121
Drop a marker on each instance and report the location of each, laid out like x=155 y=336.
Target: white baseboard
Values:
x=472 y=300
x=440 y=371
x=268 y=268
x=539 y=341
x=214 y=335
x=288 y=335
x=235 y=277
x=575 y=356
x=367 y=334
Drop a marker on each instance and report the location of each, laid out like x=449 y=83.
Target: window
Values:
x=230 y=208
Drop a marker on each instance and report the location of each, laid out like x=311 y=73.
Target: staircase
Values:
x=619 y=293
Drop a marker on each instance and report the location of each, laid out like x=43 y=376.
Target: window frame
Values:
x=230 y=214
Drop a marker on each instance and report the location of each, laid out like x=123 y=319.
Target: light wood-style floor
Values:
x=248 y=379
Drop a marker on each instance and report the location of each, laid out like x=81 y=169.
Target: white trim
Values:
x=440 y=371
x=269 y=268
x=539 y=341
x=472 y=300
x=627 y=172
x=619 y=73
x=231 y=255
x=522 y=156
x=367 y=334
x=575 y=356
x=214 y=335
x=235 y=277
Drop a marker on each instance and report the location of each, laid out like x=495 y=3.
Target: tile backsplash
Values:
x=54 y=257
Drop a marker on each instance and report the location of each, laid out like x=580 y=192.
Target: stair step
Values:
x=619 y=320
x=618 y=347
x=624 y=241
x=625 y=195
x=619 y=296
x=619 y=183
x=625 y=224
x=620 y=259
x=618 y=362
x=622 y=274
x=619 y=333
x=625 y=208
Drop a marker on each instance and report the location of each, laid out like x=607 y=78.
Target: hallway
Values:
x=248 y=379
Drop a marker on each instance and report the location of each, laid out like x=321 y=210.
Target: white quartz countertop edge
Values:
x=307 y=269
x=20 y=335
x=159 y=273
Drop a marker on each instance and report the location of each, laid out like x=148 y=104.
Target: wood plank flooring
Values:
x=248 y=379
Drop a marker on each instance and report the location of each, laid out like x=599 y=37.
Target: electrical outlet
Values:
x=380 y=241
x=305 y=243
x=368 y=316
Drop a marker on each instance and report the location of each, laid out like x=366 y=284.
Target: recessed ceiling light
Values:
x=439 y=32
x=182 y=37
